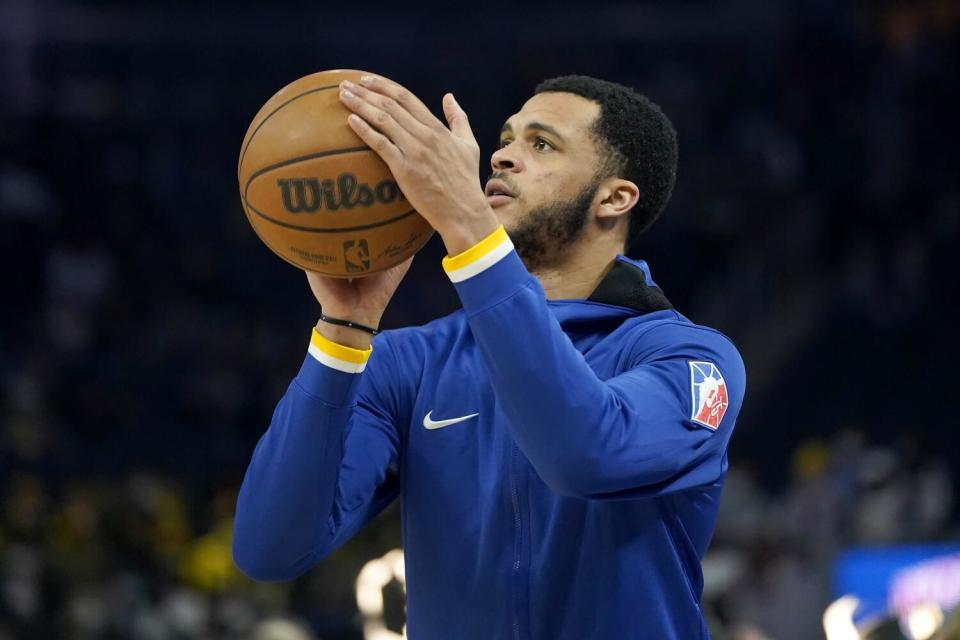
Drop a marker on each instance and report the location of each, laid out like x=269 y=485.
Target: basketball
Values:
x=315 y=193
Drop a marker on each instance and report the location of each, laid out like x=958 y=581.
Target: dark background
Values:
x=146 y=334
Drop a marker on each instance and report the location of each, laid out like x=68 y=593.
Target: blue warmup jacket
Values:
x=559 y=462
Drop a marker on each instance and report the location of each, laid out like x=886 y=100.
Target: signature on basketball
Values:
x=394 y=249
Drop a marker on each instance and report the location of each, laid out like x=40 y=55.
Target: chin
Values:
x=510 y=221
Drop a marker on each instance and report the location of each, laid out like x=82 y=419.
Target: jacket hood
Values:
x=628 y=290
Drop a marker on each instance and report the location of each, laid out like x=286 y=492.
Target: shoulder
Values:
x=672 y=336
x=671 y=329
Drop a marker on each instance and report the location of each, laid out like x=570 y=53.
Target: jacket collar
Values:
x=629 y=284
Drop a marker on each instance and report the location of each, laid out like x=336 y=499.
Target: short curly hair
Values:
x=637 y=140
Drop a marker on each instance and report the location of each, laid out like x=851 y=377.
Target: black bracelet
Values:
x=348 y=323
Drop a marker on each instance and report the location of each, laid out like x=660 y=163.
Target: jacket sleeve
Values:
x=637 y=434
x=327 y=464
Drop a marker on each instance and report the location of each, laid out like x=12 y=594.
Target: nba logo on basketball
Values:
x=356 y=256
x=709 y=393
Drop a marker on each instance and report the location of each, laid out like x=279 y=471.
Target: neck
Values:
x=579 y=272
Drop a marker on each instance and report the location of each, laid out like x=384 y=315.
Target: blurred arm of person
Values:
x=951 y=628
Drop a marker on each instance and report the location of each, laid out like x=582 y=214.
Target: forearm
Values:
x=283 y=517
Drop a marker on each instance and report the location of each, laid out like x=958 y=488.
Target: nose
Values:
x=506 y=159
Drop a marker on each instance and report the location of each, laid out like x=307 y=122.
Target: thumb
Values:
x=457 y=118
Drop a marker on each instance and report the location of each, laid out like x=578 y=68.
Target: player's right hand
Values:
x=361 y=300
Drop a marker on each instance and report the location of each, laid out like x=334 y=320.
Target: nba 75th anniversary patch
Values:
x=709 y=392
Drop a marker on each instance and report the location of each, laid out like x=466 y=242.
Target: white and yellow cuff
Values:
x=479 y=257
x=337 y=356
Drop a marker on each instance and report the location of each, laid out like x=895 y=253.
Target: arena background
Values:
x=146 y=333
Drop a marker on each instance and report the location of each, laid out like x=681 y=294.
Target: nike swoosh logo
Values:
x=439 y=424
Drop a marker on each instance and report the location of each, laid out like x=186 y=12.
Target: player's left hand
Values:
x=436 y=166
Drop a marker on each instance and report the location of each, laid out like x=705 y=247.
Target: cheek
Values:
x=553 y=187
x=542 y=186
x=546 y=178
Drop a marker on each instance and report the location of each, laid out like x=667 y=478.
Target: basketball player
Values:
x=559 y=445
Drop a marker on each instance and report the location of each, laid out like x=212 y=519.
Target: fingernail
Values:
x=346 y=94
x=346 y=84
x=366 y=79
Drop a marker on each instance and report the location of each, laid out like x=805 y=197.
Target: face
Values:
x=544 y=175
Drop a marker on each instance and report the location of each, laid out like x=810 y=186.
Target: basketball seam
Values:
x=312 y=156
x=336 y=230
x=243 y=152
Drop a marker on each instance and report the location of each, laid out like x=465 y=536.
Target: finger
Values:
x=389 y=105
x=404 y=97
x=381 y=120
x=457 y=118
x=376 y=141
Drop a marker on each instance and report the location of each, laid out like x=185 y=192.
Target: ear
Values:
x=615 y=198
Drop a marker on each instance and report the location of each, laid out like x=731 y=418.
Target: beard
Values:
x=545 y=232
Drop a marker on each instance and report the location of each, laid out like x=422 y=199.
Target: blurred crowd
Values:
x=770 y=569
x=144 y=556
x=140 y=556
x=146 y=334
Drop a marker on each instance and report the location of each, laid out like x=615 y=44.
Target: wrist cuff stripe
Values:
x=479 y=257
x=337 y=356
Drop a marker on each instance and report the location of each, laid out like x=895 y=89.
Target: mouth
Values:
x=498 y=193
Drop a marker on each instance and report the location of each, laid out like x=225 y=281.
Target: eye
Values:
x=503 y=143
x=542 y=144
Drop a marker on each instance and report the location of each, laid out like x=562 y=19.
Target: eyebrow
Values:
x=537 y=126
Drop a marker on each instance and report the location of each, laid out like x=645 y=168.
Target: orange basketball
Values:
x=318 y=196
